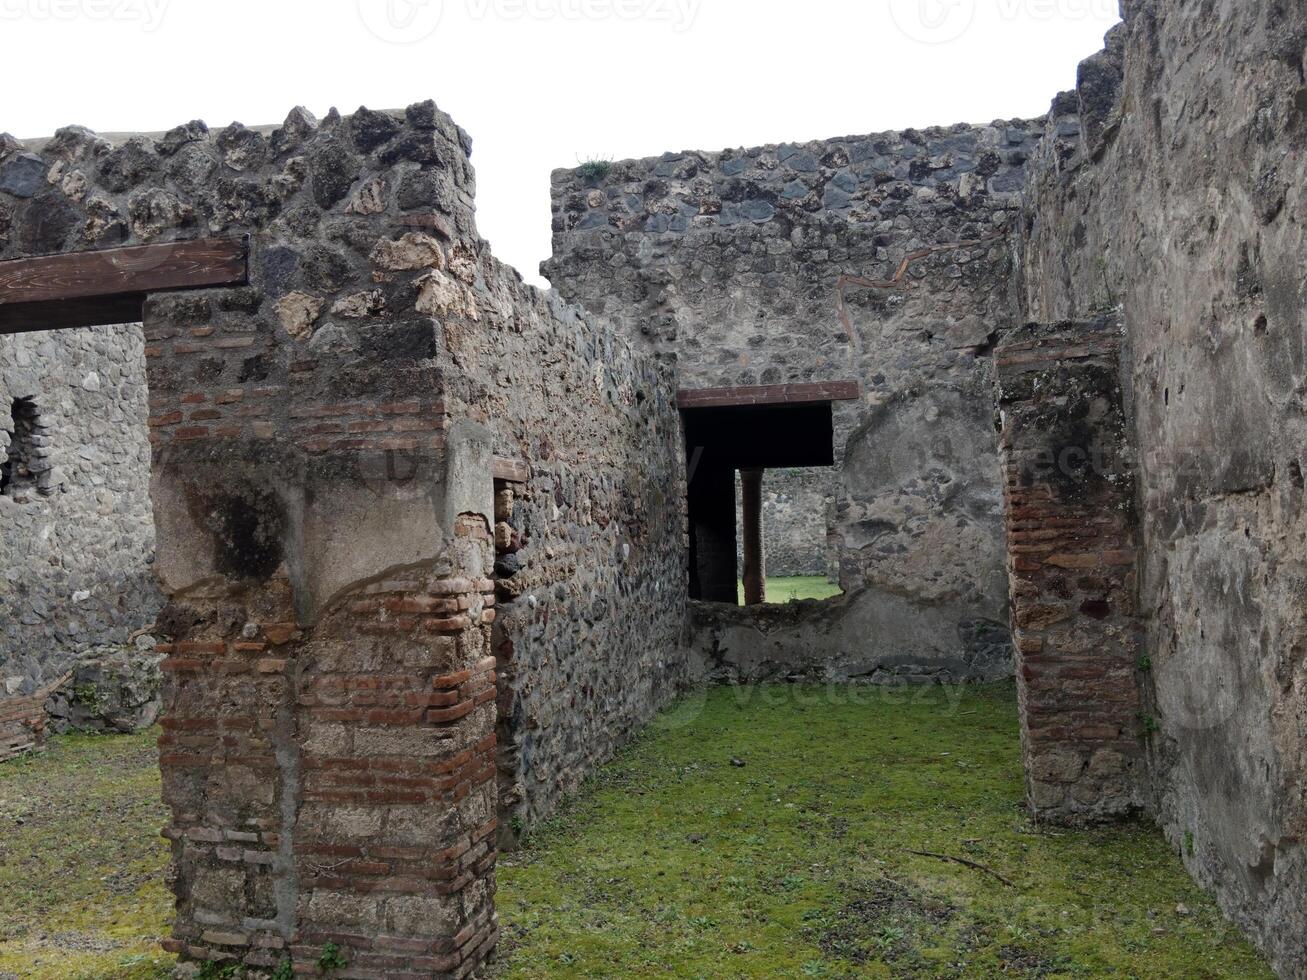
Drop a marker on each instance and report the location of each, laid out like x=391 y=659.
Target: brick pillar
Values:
x=1072 y=564
x=395 y=842
x=329 y=730
x=755 y=574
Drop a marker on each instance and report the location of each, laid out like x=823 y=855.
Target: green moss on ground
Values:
x=781 y=590
x=676 y=862
x=81 y=862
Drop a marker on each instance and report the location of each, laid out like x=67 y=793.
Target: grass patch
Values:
x=595 y=170
x=82 y=890
x=675 y=861
x=792 y=589
x=751 y=833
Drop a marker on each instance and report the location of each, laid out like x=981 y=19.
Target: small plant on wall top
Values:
x=594 y=171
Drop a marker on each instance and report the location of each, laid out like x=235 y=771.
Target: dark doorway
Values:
x=721 y=440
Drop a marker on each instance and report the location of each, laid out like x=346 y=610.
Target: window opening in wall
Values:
x=18 y=471
x=736 y=446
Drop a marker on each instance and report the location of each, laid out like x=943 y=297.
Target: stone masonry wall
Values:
x=1176 y=186
x=592 y=572
x=76 y=533
x=730 y=264
x=1072 y=561
x=324 y=447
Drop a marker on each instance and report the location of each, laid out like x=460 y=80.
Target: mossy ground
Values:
x=675 y=861
x=82 y=891
x=781 y=590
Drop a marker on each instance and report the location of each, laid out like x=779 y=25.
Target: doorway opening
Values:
x=738 y=441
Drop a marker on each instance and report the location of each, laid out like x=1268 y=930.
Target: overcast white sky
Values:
x=545 y=83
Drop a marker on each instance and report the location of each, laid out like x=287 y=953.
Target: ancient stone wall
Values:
x=1174 y=185
x=76 y=533
x=592 y=569
x=325 y=445
x=730 y=264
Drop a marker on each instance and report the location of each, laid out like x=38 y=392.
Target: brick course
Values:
x=1071 y=544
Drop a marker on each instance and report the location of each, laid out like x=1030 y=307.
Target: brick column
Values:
x=329 y=731
x=395 y=842
x=1071 y=557
x=754 y=573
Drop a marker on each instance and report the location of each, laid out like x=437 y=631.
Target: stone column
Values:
x=755 y=573
x=1071 y=560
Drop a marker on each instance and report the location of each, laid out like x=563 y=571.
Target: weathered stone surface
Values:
x=298 y=313
x=730 y=263
x=112 y=689
x=23 y=175
x=323 y=461
x=77 y=538
x=1171 y=185
x=821 y=642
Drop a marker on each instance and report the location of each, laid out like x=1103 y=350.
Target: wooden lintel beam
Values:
x=511 y=470
x=805 y=393
x=81 y=289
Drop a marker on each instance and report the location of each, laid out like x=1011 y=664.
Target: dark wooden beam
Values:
x=511 y=470
x=807 y=393
x=84 y=289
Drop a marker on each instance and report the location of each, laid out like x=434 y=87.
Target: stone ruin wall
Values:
x=592 y=580
x=76 y=532
x=381 y=359
x=1174 y=184
x=727 y=265
x=335 y=553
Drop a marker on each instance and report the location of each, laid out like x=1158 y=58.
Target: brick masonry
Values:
x=324 y=446
x=1200 y=243
x=23 y=721
x=1072 y=557
x=381 y=360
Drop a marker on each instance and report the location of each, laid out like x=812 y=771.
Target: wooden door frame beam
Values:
x=82 y=289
